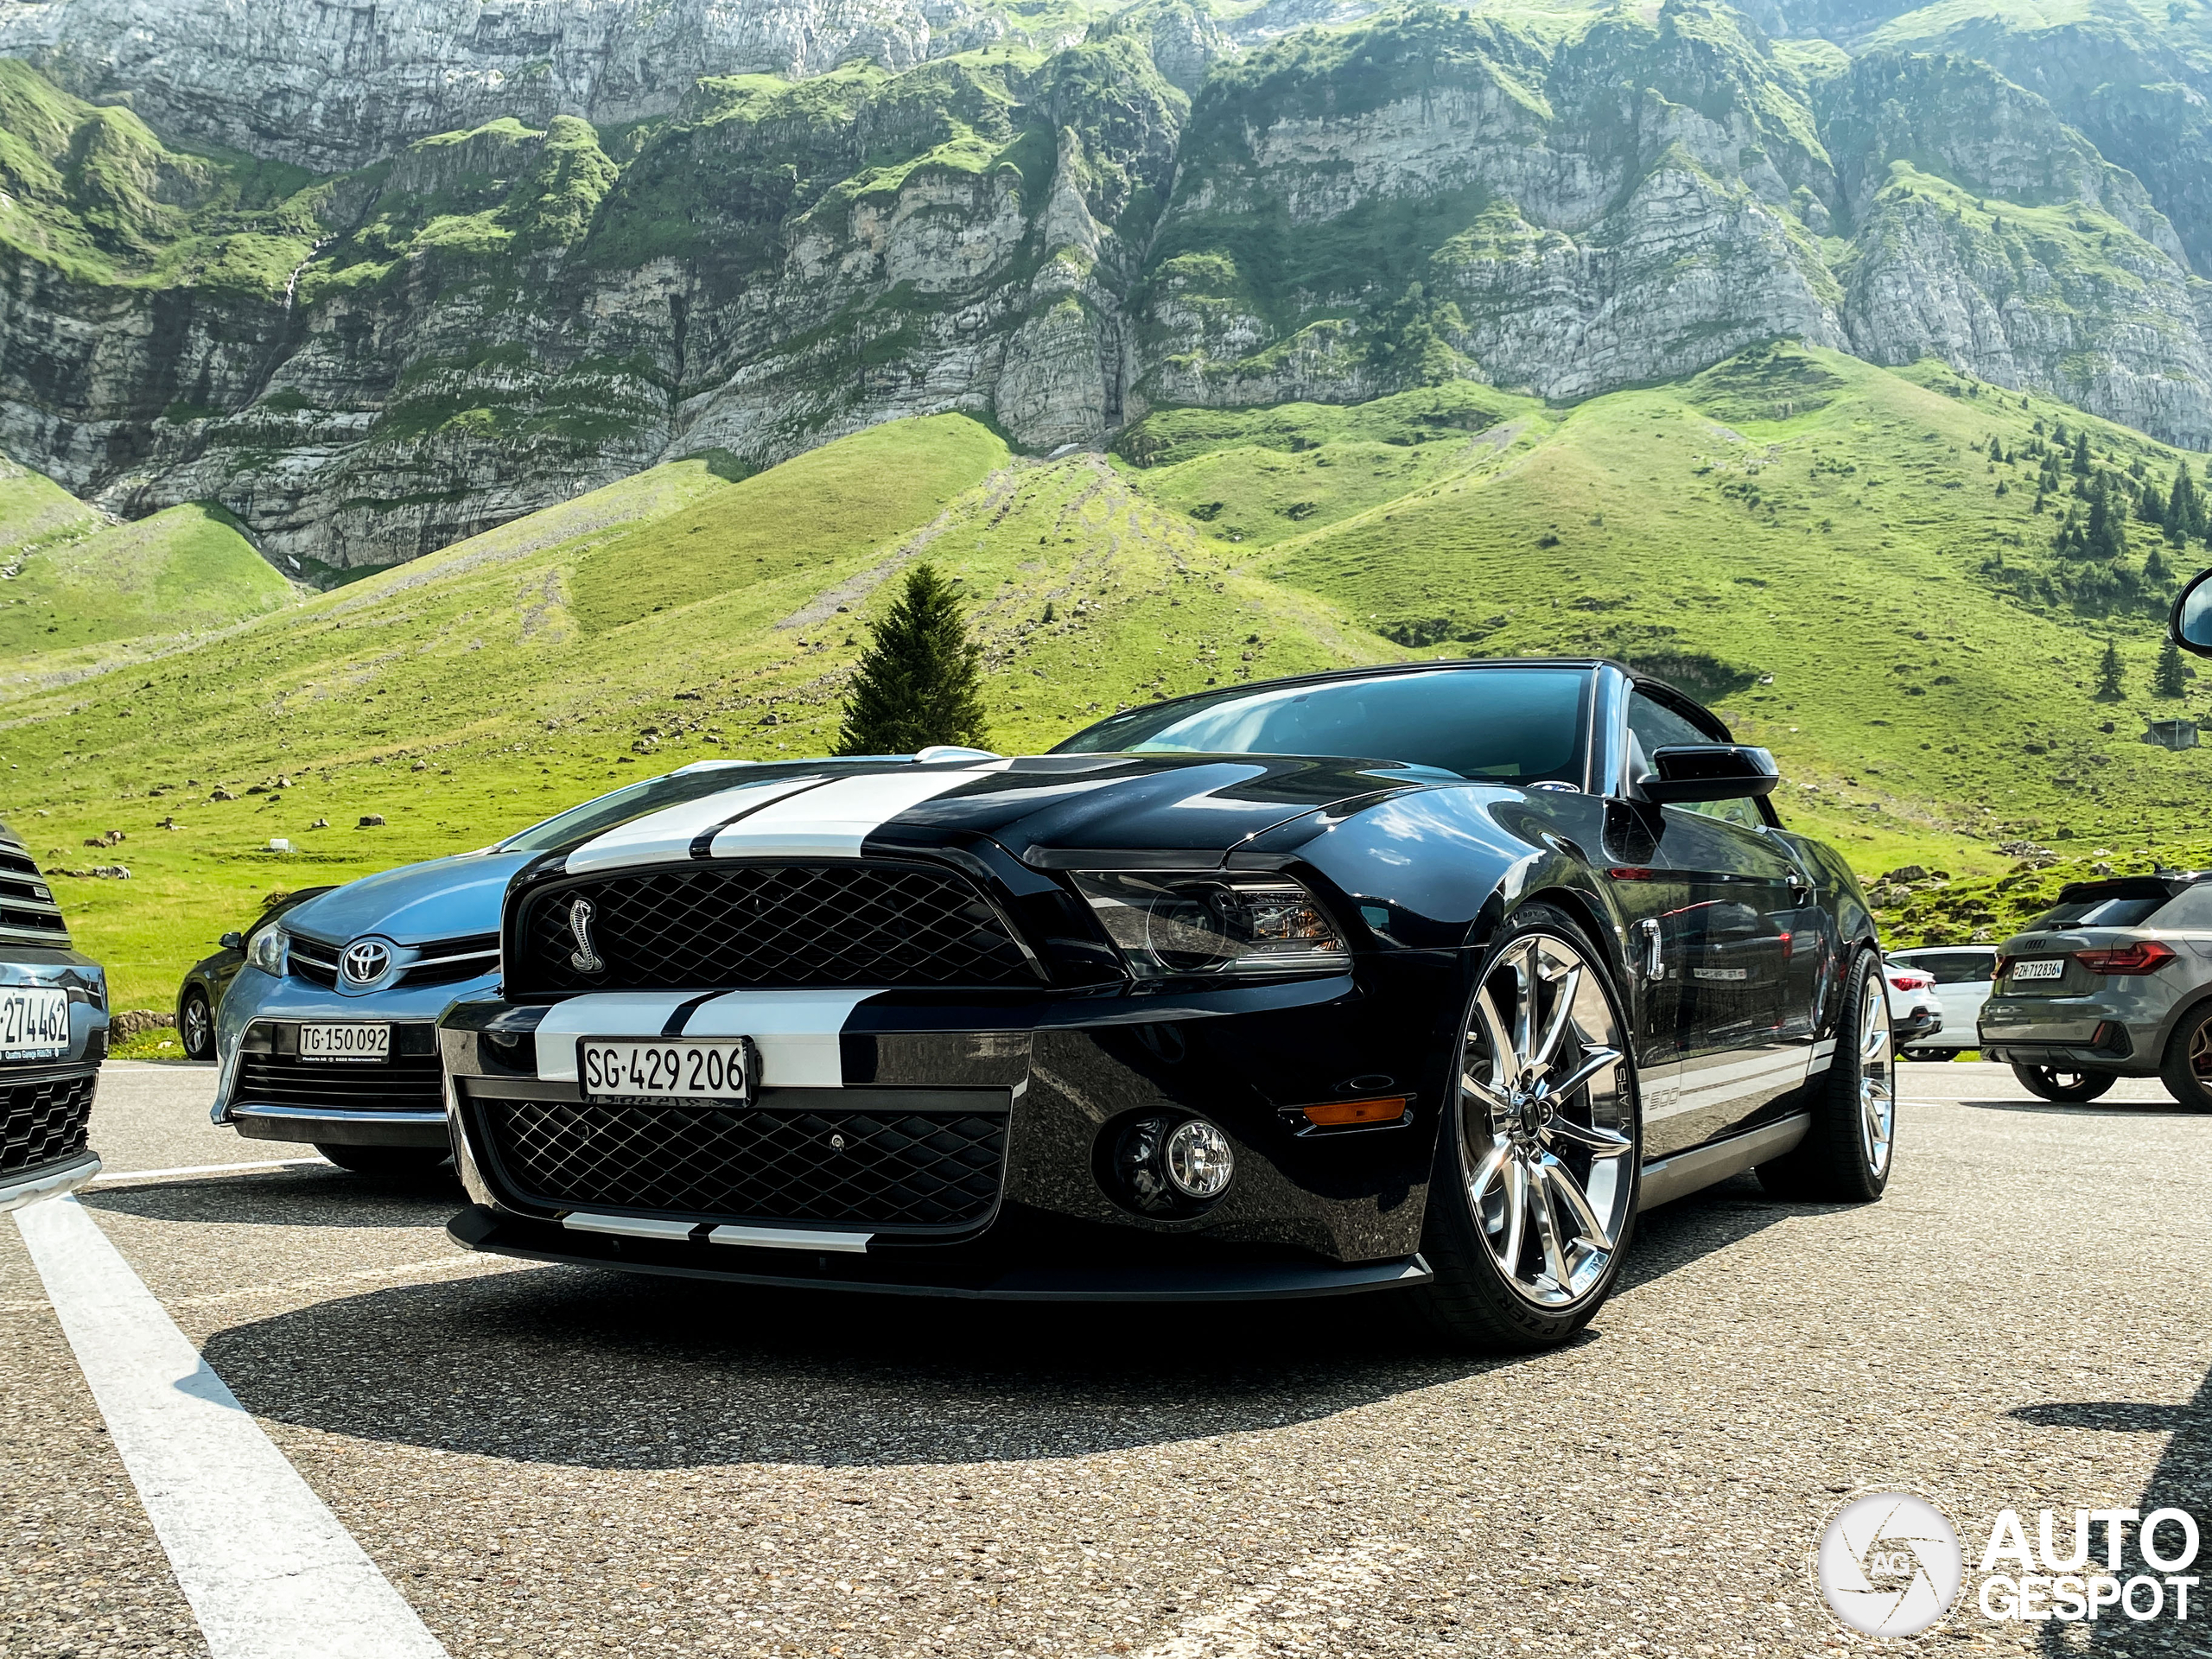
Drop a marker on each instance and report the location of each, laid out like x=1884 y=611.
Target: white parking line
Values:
x=106 y=1177
x=268 y=1569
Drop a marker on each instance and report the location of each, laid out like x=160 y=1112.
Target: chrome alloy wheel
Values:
x=1878 y=1094
x=198 y=1032
x=2200 y=1054
x=1546 y=1137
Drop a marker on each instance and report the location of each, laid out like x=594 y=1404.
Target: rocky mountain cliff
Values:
x=382 y=278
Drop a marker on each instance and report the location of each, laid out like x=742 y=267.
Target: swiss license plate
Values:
x=614 y=1068
x=343 y=1043
x=34 y=1022
x=2042 y=968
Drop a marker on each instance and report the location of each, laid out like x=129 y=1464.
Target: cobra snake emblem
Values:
x=583 y=958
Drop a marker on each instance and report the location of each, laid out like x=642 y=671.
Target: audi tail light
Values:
x=1911 y=979
x=2143 y=956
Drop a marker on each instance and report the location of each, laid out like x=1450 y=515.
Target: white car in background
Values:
x=1963 y=976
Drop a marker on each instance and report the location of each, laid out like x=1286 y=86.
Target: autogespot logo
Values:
x=1890 y=1564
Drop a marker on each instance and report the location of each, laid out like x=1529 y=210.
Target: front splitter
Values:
x=479 y=1229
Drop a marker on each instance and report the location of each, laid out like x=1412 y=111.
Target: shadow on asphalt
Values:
x=580 y=1367
x=2181 y=1480
x=2089 y=1108
x=310 y=1197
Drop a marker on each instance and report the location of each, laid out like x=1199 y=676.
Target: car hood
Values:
x=1041 y=808
x=444 y=898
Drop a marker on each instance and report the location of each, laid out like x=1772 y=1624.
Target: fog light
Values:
x=1168 y=1167
x=1200 y=1161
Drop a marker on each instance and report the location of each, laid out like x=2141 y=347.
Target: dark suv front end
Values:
x=54 y=1020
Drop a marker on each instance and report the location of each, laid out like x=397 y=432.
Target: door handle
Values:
x=1653 y=966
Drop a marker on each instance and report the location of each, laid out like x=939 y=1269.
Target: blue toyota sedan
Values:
x=327 y=1034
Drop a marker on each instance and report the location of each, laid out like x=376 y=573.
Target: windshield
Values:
x=578 y=824
x=1517 y=725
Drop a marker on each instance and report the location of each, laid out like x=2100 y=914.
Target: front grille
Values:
x=406 y=1083
x=444 y=961
x=905 y=1169
x=313 y=961
x=45 y=1120
x=736 y=925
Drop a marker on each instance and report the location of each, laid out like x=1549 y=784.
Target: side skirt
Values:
x=1686 y=1172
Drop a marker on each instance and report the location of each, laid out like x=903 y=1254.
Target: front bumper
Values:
x=993 y=1274
x=266 y=1092
x=326 y=1126
x=44 y=1119
x=1043 y=1083
x=21 y=1187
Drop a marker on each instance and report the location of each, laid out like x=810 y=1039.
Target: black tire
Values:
x=2187 y=1068
x=1847 y=1153
x=386 y=1160
x=2069 y=1085
x=195 y=1025
x=1541 y=1179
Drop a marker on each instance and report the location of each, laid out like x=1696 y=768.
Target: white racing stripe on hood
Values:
x=832 y=822
x=796 y=1032
x=602 y=1014
x=665 y=837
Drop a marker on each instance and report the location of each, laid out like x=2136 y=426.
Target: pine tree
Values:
x=2184 y=508
x=920 y=681
x=2149 y=504
x=2103 y=537
x=2169 y=678
x=2109 y=687
x=1996 y=449
x=2082 y=453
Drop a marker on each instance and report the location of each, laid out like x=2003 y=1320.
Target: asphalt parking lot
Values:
x=550 y=1461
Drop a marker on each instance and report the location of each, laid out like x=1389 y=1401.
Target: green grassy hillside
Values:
x=186 y=571
x=1820 y=547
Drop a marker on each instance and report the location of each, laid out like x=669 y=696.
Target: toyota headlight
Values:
x=265 y=948
x=1167 y=923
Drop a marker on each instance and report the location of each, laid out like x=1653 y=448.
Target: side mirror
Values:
x=2190 y=625
x=1709 y=772
x=233 y=941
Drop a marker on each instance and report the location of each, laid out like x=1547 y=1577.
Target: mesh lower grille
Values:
x=923 y=1169
x=45 y=1122
x=770 y=925
x=406 y=1083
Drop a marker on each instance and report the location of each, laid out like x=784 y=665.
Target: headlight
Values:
x=1168 y=923
x=266 y=949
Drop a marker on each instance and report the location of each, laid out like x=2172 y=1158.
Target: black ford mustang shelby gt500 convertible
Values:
x=1426 y=976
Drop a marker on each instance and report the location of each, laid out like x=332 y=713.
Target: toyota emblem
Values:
x=366 y=961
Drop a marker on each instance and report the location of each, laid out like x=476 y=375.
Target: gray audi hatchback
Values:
x=2113 y=981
